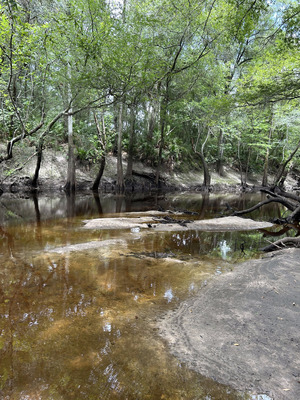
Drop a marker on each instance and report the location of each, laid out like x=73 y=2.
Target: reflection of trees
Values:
x=98 y=202
x=70 y=204
x=119 y=203
x=7 y=241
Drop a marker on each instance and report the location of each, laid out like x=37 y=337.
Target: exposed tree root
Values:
x=292 y=203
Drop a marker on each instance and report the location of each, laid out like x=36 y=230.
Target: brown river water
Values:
x=85 y=324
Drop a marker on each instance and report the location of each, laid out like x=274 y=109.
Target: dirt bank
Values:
x=243 y=327
x=16 y=174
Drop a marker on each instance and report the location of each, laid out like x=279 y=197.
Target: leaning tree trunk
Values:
x=284 y=165
x=97 y=180
x=206 y=173
x=39 y=149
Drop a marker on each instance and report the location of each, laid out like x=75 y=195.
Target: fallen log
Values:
x=283 y=243
x=287 y=204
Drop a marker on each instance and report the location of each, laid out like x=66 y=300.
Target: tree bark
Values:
x=70 y=186
x=163 y=116
x=39 y=149
x=97 y=180
x=284 y=165
x=266 y=163
x=131 y=142
x=120 y=177
x=220 y=165
x=152 y=115
x=102 y=141
x=207 y=177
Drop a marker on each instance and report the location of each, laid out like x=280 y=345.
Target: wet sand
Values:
x=243 y=328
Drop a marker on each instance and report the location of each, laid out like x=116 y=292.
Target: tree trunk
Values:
x=102 y=141
x=220 y=165
x=247 y=165
x=70 y=186
x=131 y=142
x=163 y=116
x=97 y=180
x=152 y=115
x=284 y=165
x=206 y=177
x=120 y=177
x=266 y=163
x=39 y=150
x=240 y=162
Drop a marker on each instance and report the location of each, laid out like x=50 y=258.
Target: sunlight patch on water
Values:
x=224 y=249
x=261 y=397
x=169 y=295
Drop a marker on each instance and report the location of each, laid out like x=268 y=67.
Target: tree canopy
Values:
x=186 y=84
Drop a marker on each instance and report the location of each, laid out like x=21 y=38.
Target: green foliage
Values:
x=207 y=67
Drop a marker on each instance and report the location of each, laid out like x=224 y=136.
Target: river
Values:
x=84 y=324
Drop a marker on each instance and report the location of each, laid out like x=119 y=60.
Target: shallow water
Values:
x=84 y=324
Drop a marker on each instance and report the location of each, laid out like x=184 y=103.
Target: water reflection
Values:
x=169 y=295
x=81 y=325
x=15 y=208
x=224 y=249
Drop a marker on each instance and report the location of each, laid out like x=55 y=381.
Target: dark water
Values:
x=83 y=325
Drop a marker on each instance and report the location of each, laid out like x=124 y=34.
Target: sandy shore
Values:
x=243 y=328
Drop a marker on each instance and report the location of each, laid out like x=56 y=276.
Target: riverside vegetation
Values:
x=196 y=84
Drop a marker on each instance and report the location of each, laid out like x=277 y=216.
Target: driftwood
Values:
x=283 y=243
x=289 y=200
x=292 y=202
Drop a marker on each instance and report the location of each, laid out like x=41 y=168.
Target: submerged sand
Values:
x=243 y=328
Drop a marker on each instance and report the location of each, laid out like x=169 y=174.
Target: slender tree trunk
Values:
x=120 y=177
x=70 y=186
x=116 y=118
x=247 y=165
x=102 y=141
x=240 y=162
x=206 y=173
x=131 y=142
x=163 y=117
x=266 y=163
x=152 y=115
x=220 y=165
x=39 y=150
x=97 y=180
x=284 y=165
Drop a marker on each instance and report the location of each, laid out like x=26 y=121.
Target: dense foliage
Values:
x=186 y=84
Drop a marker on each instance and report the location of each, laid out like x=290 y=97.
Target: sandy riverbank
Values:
x=243 y=327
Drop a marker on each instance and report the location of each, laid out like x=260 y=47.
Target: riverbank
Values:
x=17 y=173
x=242 y=329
